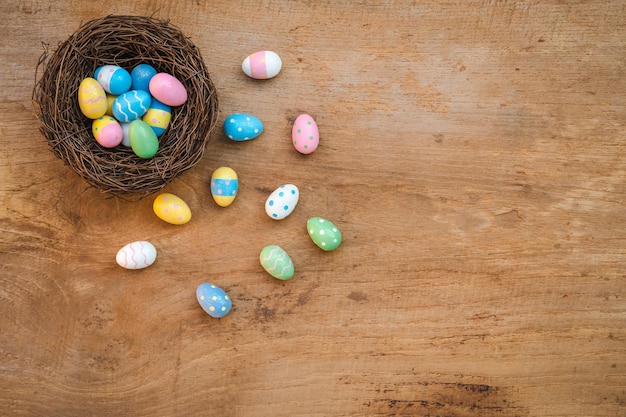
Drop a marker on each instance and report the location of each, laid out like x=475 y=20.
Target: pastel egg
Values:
x=171 y=209
x=262 y=65
x=242 y=126
x=92 y=98
x=224 y=186
x=141 y=76
x=282 y=201
x=114 y=79
x=214 y=300
x=305 y=135
x=136 y=255
x=131 y=105
x=276 y=262
x=168 y=89
x=143 y=140
x=126 y=138
x=324 y=233
x=107 y=131
x=110 y=99
x=158 y=117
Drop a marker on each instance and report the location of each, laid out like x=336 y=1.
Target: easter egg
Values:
x=242 y=126
x=276 y=262
x=167 y=89
x=107 y=131
x=214 y=300
x=262 y=65
x=224 y=186
x=324 y=233
x=171 y=209
x=92 y=98
x=125 y=129
x=136 y=255
x=158 y=117
x=305 y=134
x=282 y=201
x=110 y=99
x=141 y=76
x=114 y=79
x=131 y=105
x=143 y=140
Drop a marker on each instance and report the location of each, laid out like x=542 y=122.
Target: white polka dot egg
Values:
x=282 y=201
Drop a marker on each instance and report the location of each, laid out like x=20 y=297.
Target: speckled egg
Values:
x=141 y=76
x=92 y=99
x=242 y=127
x=171 y=209
x=305 y=135
x=276 y=262
x=131 y=105
x=324 y=233
x=107 y=131
x=158 y=117
x=214 y=300
x=224 y=186
x=136 y=255
x=282 y=201
x=113 y=78
x=262 y=65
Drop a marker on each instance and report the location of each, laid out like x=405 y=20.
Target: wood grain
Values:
x=472 y=154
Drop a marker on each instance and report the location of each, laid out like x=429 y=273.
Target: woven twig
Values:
x=125 y=41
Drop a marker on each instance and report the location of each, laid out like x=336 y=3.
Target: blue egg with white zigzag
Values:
x=241 y=127
x=131 y=105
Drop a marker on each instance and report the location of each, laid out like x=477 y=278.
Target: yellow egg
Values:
x=92 y=98
x=110 y=99
x=171 y=209
x=224 y=186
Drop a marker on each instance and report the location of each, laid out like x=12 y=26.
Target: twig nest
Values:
x=125 y=41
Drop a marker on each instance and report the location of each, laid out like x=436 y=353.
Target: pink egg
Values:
x=167 y=89
x=107 y=131
x=305 y=134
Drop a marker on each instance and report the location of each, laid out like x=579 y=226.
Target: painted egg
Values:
x=141 y=76
x=107 y=131
x=131 y=105
x=143 y=140
x=242 y=126
x=171 y=209
x=158 y=116
x=110 y=99
x=114 y=79
x=136 y=255
x=262 y=65
x=224 y=186
x=276 y=262
x=125 y=129
x=282 y=201
x=92 y=99
x=214 y=300
x=324 y=233
x=305 y=134
x=167 y=89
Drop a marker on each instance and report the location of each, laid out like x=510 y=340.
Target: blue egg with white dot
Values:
x=282 y=201
x=214 y=300
x=141 y=76
x=242 y=126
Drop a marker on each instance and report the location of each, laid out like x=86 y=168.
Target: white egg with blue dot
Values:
x=282 y=201
x=214 y=300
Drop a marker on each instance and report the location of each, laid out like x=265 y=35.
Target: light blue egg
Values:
x=141 y=76
x=114 y=79
x=242 y=127
x=131 y=105
x=213 y=300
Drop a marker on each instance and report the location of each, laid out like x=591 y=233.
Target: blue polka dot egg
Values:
x=282 y=201
x=214 y=300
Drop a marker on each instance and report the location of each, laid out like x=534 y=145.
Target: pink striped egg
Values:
x=136 y=255
x=262 y=65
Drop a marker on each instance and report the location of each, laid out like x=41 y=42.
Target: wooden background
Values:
x=472 y=153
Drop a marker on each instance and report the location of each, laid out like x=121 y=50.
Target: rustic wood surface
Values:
x=473 y=155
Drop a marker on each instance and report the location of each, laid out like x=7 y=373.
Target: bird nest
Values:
x=125 y=41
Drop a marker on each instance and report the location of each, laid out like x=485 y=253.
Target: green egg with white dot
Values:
x=324 y=233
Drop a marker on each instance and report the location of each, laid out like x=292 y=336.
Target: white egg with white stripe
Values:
x=282 y=201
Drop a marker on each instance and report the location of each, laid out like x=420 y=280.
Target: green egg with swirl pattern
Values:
x=276 y=262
